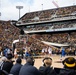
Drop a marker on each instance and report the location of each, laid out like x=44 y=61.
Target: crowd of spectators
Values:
x=51 y=26
x=60 y=38
x=49 y=15
x=17 y=68
x=8 y=33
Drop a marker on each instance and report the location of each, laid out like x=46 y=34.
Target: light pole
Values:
x=42 y=6
x=19 y=7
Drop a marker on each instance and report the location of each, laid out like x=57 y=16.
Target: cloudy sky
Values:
x=10 y=12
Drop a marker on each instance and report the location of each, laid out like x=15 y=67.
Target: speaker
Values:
x=21 y=32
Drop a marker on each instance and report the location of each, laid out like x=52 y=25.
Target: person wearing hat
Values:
x=69 y=64
x=28 y=68
x=46 y=69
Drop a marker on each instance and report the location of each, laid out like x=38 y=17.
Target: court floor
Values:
x=56 y=61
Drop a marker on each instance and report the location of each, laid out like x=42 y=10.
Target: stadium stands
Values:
x=8 y=33
x=53 y=25
x=51 y=21
x=57 y=14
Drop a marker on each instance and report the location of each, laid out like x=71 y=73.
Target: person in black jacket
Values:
x=69 y=66
x=8 y=64
x=46 y=69
x=28 y=68
x=16 y=68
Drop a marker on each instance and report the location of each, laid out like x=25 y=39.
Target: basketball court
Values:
x=56 y=61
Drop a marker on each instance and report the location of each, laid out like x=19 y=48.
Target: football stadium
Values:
x=40 y=35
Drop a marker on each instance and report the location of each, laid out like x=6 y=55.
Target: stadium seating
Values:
x=9 y=32
x=48 y=15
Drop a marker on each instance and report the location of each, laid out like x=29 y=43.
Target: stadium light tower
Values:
x=19 y=7
x=42 y=6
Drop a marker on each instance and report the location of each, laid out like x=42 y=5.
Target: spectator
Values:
x=8 y=64
x=69 y=66
x=3 y=60
x=46 y=69
x=28 y=68
x=16 y=68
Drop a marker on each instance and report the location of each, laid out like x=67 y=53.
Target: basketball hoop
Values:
x=23 y=38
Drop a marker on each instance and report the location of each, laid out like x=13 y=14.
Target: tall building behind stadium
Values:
x=53 y=27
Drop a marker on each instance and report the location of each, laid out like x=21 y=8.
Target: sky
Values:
x=10 y=12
